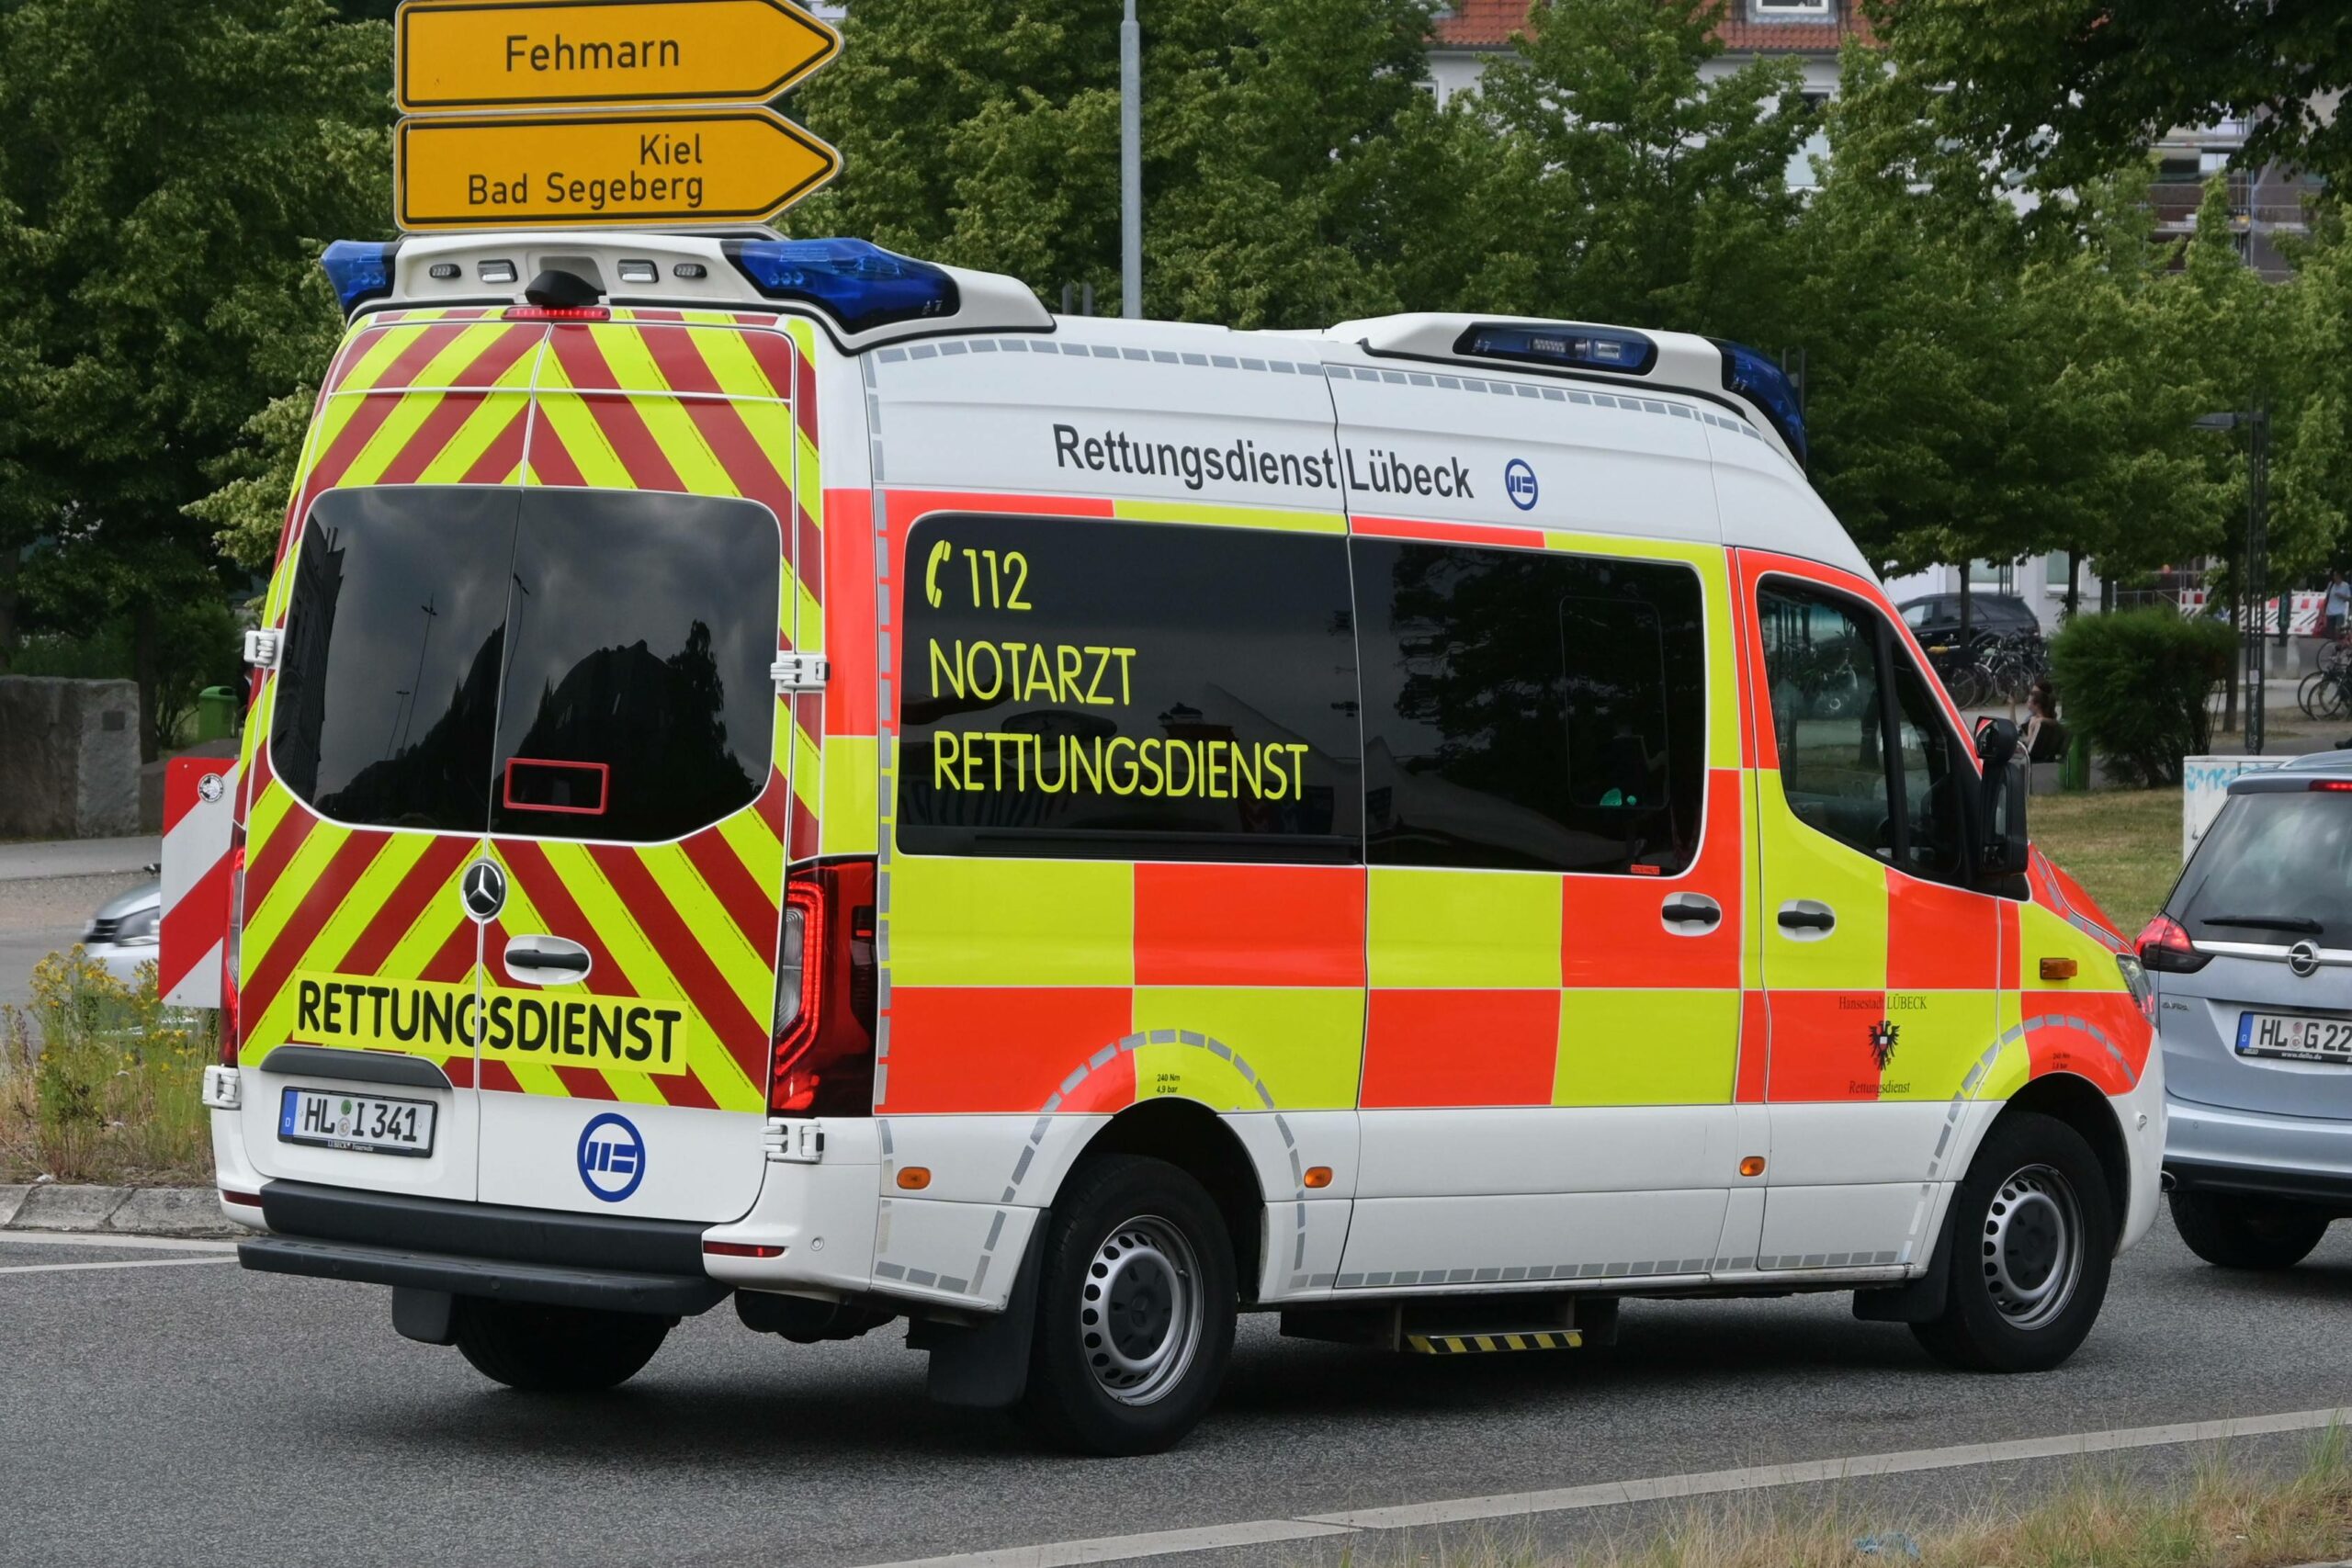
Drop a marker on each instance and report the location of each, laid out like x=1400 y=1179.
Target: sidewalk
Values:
x=78 y=857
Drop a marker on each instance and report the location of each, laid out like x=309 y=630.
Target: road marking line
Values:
x=1565 y=1499
x=122 y=1263
x=101 y=1238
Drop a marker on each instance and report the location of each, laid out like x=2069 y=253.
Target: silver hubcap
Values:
x=1140 y=1316
x=2033 y=1246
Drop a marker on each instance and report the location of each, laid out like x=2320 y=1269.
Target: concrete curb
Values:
x=122 y=1210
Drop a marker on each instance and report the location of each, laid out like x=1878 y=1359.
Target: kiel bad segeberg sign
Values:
x=498 y=131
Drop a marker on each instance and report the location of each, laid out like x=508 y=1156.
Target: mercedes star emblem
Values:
x=483 y=890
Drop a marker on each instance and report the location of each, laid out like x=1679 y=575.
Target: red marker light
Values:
x=559 y=313
x=2165 y=948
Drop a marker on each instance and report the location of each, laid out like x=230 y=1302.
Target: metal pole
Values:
x=2257 y=559
x=1130 y=166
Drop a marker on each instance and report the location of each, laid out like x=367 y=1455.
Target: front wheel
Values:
x=549 y=1349
x=1134 y=1308
x=2232 y=1232
x=2033 y=1234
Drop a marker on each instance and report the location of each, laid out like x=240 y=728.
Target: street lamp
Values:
x=2257 y=552
x=1130 y=166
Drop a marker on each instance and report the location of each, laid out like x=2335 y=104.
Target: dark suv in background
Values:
x=1935 y=619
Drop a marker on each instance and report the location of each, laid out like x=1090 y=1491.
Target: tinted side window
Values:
x=388 y=688
x=639 y=705
x=1821 y=667
x=1078 y=687
x=1530 y=710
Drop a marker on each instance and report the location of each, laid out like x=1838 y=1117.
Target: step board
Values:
x=1483 y=1344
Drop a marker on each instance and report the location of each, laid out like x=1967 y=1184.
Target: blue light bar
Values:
x=859 y=285
x=1752 y=376
x=1562 y=347
x=360 y=270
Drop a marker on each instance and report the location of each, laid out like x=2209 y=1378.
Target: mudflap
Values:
x=1920 y=1301
x=985 y=1366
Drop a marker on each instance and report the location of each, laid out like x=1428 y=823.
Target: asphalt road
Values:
x=185 y=1411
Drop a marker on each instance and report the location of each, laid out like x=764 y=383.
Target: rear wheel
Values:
x=549 y=1350
x=1134 y=1308
x=2232 y=1231
x=2033 y=1233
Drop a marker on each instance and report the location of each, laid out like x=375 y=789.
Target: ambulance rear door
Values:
x=642 y=776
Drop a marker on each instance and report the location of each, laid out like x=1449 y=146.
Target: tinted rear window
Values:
x=555 y=663
x=1532 y=710
x=2286 y=857
x=1082 y=687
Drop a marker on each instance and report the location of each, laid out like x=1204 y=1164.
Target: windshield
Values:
x=2276 y=869
x=557 y=663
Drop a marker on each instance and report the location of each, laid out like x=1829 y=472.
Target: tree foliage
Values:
x=2068 y=90
x=169 y=176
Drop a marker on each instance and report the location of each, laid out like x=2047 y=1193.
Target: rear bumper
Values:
x=473 y=1249
x=2213 y=1150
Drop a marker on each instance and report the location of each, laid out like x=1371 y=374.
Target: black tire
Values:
x=2235 y=1231
x=549 y=1350
x=1134 y=1308
x=2033 y=1238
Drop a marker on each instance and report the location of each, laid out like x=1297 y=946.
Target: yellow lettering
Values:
x=1124 y=655
x=1101 y=662
x=1297 y=770
x=995 y=688
x=1245 y=772
x=1213 y=767
x=940 y=662
x=1192 y=768
x=1121 y=784
x=1155 y=773
x=1068 y=661
x=945 y=745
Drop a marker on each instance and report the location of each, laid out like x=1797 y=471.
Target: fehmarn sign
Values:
x=702 y=167
x=490 y=54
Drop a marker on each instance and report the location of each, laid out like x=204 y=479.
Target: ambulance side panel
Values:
x=1173 y=506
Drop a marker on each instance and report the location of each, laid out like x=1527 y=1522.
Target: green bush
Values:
x=2136 y=683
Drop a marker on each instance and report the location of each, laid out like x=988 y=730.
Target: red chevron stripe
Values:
x=551 y=462
x=744 y=1037
x=749 y=468
x=577 y=350
x=562 y=914
x=496 y=1076
x=804 y=840
x=772 y=801
x=505 y=450
x=410 y=363
x=433 y=434
x=434 y=875
x=269 y=860
x=804 y=393
x=748 y=904
x=461 y=1070
x=454 y=959
x=586 y=1083
x=320 y=901
x=686 y=1089
x=375 y=408
x=678 y=358
x=497 y=357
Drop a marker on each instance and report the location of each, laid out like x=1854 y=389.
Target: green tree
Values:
x=1278 y=136
x=2071 y=89
x=1609 y=179
x=169 y=176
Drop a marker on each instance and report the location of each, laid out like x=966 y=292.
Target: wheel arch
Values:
x=1197 y=1141
x=2080 y=1104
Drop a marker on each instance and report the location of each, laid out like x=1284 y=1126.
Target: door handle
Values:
x=546 y=960
x=1806 y=914
x=1692 y=909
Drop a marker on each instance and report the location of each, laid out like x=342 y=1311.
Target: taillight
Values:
x=232 y=1035
x=823 y=1035
x=2165 y=948
x=2337 y=786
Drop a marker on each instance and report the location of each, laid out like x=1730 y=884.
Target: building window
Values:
x=1792 y=10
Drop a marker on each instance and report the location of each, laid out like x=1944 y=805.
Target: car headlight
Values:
x=138 y=928
x=2143 y=991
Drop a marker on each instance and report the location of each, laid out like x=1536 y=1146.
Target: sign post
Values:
x=648 y=112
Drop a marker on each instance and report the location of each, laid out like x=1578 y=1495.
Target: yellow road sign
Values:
x=478 y=54
x=600 y=171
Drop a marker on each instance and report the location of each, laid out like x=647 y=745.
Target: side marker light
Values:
x=914 y=1178
x=1319 y=1176
x=2058 y=968
x=1752 y=1166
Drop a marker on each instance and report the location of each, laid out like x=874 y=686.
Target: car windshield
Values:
x=2276 y=868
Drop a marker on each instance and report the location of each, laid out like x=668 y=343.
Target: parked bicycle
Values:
x=2327 y=692
x=1991 y=668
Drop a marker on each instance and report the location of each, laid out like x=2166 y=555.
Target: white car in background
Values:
x=122 y=934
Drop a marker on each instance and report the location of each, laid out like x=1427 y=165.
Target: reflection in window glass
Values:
x=1528 y=709
x=388 y=687
x=2284 y=857
x=1078 y=687
x=638 y=704
x=1932 y=776
x=1821 y=667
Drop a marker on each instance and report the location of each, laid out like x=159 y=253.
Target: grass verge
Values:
x=2124 y=845
x=100 y=1082
x=2220 y=1515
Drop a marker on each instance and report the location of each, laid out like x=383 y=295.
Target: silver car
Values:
x=2251 y=960
x=123 y=933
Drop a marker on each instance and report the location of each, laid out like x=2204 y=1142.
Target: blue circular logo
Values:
x=611 y=1157
x=1519 y=483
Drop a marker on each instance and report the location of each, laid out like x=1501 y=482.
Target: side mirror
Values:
x=2002 y=845
x=1997 y=742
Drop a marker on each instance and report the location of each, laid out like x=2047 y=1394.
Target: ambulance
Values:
x=785 y=772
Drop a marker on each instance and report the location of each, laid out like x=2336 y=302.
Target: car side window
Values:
x=1932 y=777
x=1822 y=674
